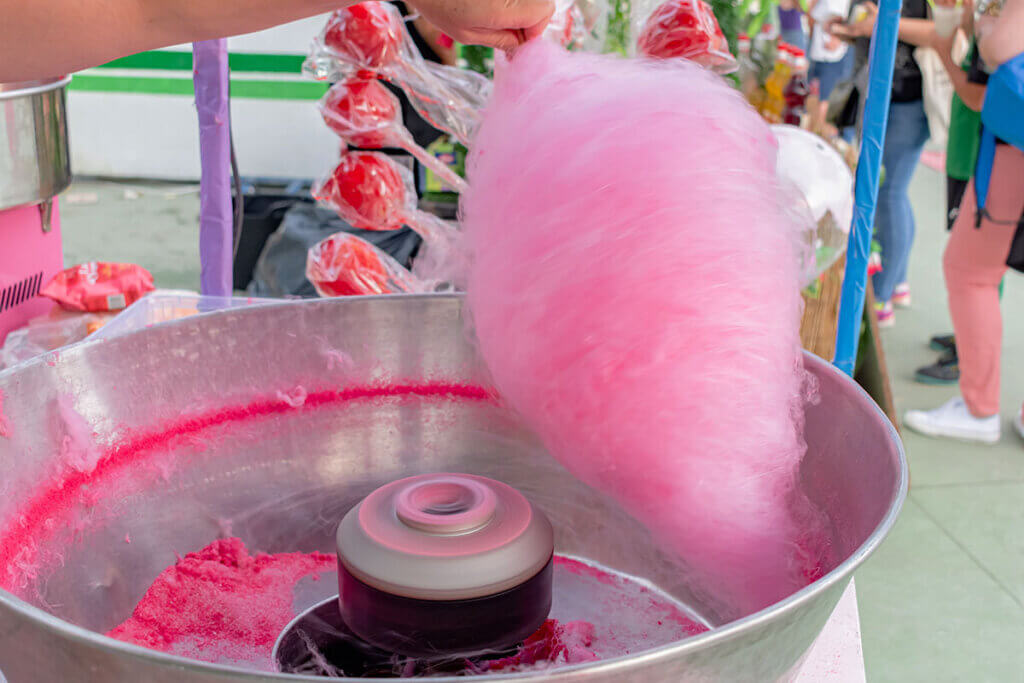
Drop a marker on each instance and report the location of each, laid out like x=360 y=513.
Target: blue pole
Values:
x=876 y=116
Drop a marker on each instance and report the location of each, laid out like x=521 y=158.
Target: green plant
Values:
x=477 y=58
x=618 y=36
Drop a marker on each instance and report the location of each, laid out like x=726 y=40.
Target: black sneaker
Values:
x=946 y=370
x=942 y=342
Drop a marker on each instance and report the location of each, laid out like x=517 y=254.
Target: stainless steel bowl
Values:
x=285 y=483
x=34 y=161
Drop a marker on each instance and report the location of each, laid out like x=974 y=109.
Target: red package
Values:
x=369 y=190
x=365 y=34
x=99 y=287
x=345 y=265
x=686 y=28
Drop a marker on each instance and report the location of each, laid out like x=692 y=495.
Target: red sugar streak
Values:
x=60 y=496
x=553 y=643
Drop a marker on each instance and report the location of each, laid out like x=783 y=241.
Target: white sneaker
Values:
x=955 y=421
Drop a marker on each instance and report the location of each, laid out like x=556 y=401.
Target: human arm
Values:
x=972 y=94
x=1001 y=38
x=810 y=16
x=437 y=40
x=47 y=38
x=913 y=31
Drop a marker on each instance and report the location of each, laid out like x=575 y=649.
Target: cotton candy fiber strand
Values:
x=634 y=290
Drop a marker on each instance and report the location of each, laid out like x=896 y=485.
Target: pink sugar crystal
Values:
x=221 y=603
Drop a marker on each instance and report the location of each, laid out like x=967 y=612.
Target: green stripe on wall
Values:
x=182 y=61
x=265 y=90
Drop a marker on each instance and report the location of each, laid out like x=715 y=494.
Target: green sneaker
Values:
x=942 y=342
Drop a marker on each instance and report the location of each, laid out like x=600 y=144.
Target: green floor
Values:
x=942 y=600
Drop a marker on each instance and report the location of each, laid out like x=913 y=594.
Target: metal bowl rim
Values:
x=726 y=632
x=9 y=91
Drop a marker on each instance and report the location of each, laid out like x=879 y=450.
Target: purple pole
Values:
x=211 y=74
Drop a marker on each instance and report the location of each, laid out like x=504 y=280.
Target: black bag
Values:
x=281 y=269
x=1015 y=259
x=850 y=110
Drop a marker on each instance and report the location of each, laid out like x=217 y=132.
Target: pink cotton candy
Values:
x=634 y=287
x=5 y=429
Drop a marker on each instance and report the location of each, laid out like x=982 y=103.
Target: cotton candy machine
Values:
x=269 y=423
x=34 y=169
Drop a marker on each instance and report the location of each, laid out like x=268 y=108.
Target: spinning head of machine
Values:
x=432 y=567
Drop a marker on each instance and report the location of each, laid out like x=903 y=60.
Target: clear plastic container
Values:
x=165 y=305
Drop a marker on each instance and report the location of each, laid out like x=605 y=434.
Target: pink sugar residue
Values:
x=583 y=569
x=296 y=398
x=554 y=643
x=57 y=503
x=221 y=603
x=78 y=449
x=5 y=429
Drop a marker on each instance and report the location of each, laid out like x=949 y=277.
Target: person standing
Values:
x=828 y=53
x=905 y=137
x=968 y=81
x=791 y=24
x=974 y=264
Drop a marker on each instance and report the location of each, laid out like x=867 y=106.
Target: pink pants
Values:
x=974 y=263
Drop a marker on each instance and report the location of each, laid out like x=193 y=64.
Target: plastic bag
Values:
x=373 y=192
x=688 y=29
x=566 y=27
x=364 y=113
x=345 y=265
x=825 y=182
x=368 y=190
x=593 y=16
x=99 y=287
x=371 y=37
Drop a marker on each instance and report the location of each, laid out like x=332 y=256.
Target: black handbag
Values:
x=1015 y=259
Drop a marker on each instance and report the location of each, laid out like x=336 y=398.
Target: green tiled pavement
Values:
x=943 y=600
x=153 y=225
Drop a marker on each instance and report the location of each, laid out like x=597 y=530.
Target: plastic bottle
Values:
x=775 y=85
x=795 y=94
x=747 y=72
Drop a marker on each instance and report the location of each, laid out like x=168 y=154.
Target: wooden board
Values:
x=821 y=314
x=873 y=373
x=818 y=335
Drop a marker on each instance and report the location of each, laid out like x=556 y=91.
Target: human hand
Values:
x=837 y=27
x=967 y=18
x=502 y=24
x=864 y=27
x=942 y=44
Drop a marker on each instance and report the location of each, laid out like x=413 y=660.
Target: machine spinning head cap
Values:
x=444 y=564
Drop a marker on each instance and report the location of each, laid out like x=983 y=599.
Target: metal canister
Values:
x=34 y=162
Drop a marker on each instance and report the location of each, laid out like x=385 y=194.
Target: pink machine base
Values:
x=29 y=259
